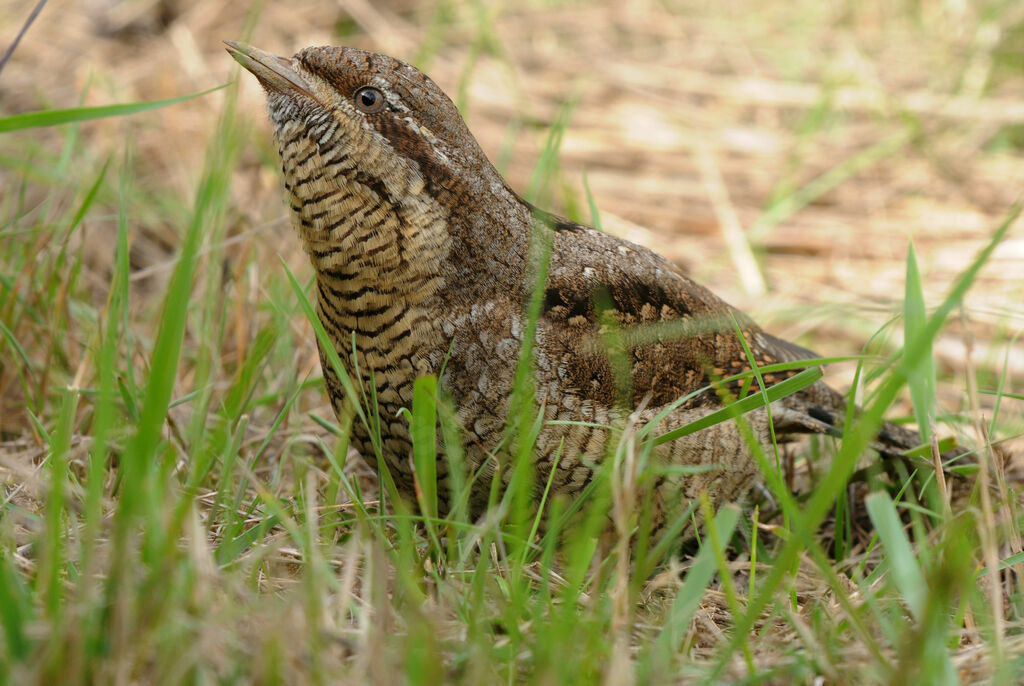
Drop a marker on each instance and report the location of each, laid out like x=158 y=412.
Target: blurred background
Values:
x=784 y=152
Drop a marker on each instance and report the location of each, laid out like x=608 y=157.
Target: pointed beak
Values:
x=273 y=71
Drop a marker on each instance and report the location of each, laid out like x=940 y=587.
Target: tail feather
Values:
x=821 y=409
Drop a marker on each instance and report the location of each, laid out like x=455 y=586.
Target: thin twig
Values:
x=24 y=29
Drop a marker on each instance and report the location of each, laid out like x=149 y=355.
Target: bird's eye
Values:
x=369 y=99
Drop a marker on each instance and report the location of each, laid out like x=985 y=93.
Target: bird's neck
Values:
x=391 y=232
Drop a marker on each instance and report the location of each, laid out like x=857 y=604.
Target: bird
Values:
x=426 y=261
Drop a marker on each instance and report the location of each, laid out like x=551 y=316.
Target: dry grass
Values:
x=784 y=153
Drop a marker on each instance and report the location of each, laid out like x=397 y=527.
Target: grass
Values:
x=177 y=508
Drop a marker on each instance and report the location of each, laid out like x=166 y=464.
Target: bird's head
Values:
x=371 y=118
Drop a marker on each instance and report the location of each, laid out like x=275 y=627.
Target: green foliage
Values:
x=34 y=120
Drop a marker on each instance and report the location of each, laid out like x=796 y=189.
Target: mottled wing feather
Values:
x=677 y=336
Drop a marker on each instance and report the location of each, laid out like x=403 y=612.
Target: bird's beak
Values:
x=274 y=72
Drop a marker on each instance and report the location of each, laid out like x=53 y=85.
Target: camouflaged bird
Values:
x=422 y=255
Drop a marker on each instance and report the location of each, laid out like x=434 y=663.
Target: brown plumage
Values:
x=422 y=254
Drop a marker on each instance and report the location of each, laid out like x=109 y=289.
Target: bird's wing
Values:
x=604 y=293
x=607 y=298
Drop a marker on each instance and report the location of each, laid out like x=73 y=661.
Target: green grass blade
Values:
x=1005 y=563
x=33 y=120
x=7 y=335
x=595 y=214
x=327 y=345
x=51 y=548
x=15 y=608
x=458 y=494
x=960 y=288
x=740 y=407
x=920 y=376
x=906 y=573
x=424 y=442
x=89 y=198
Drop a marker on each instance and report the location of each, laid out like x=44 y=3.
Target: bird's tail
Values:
x=821 y=409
